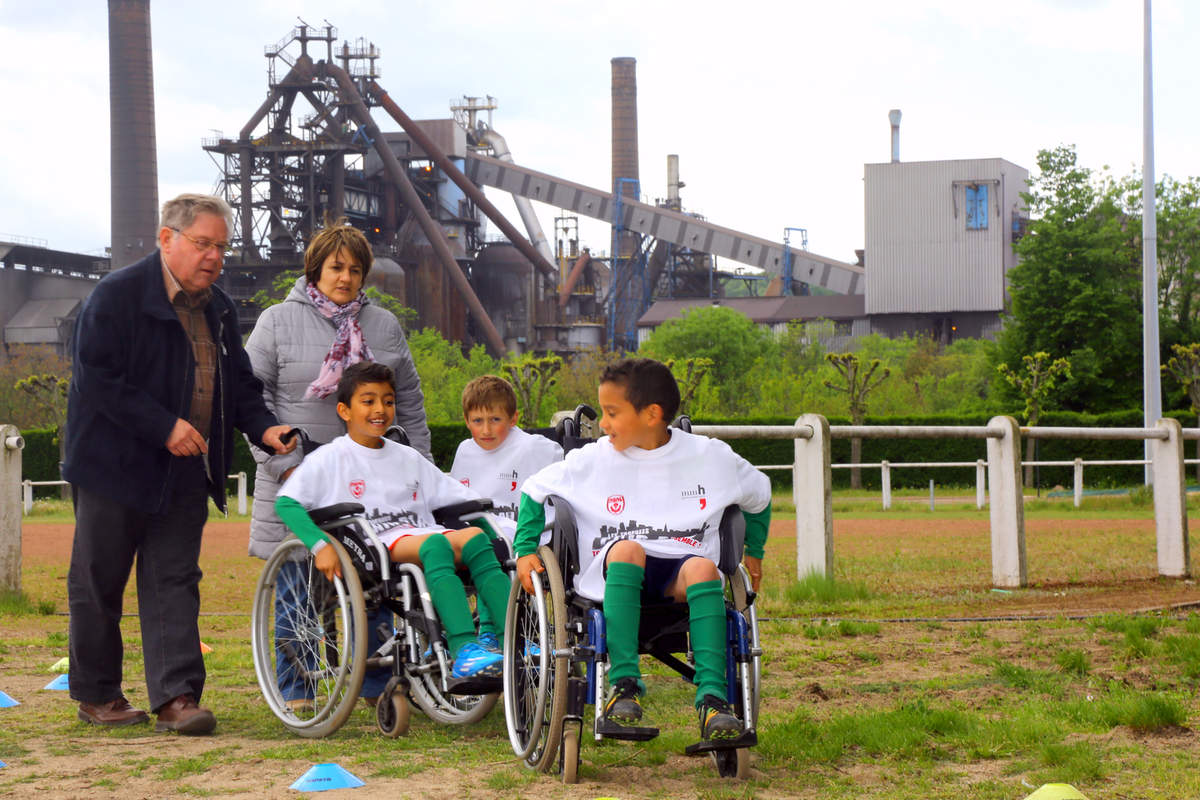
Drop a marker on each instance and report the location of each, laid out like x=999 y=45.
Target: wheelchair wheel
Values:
x=439 y=706
x=392 y=712
x=536 y=666
x=309 y=640
x=570 y=752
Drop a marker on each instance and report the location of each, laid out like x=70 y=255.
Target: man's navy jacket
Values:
x=131 y=379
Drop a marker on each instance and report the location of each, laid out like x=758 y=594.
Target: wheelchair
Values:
x=311 y=633
x=555 y=659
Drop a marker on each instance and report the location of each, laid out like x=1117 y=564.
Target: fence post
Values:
x=241 y=478
x=27 y=496
x=885 y=478
x=1007 y=505
x=11 y=444
x=1170 y=501
x=1078 y=482
x=812 y=492
x=980 y=484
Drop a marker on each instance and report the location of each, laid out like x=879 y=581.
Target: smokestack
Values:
x=894 y=118
x=133 y=154
x=673 y=183
x=624 y=123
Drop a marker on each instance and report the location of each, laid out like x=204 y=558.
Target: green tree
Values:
x=445 y=370
x=1178 y=227
x=532 y=377
x=858 y=384
x=1035 y=381
x=729 y=338
x=1076 y=289
x=689 y=374
x=1184 y=367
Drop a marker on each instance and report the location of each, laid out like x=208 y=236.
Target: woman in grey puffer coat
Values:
x=287 y=349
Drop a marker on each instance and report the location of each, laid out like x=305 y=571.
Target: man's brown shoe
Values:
x=114 y=713
x=182 y=715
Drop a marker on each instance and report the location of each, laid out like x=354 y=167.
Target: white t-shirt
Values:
x=397 y=486
x=498 y=474
x=669 y=499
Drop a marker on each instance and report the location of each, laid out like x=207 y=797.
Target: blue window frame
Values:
x=977 y=206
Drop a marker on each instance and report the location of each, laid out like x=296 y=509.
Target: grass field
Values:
x=906 y=676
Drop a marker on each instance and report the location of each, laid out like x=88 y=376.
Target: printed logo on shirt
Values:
x=697 y=493
x=511 y=477
x=413 y=487
x=357 y=488
x=616 y=503
x=632 y=529
x=465 y=481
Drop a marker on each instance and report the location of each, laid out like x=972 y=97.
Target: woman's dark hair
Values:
x=645 y=382
x=356 y=375
x=328 y=241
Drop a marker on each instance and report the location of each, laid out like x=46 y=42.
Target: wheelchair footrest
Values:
x=747 y=739
x=614 y=730
x=474 y=685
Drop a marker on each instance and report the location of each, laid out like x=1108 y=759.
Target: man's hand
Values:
x=526 y=565
x=272 y=438
x=754 y=567
x=327 y=561
x=184 y=440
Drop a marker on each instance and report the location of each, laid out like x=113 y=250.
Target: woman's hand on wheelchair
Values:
x=327 y=561
x=526 y=565
x=754 y=568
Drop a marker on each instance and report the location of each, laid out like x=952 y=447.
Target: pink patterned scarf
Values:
x=348 y=348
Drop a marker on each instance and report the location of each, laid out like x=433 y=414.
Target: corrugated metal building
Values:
x=939 y=238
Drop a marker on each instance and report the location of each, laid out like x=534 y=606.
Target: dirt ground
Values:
x=71 y=762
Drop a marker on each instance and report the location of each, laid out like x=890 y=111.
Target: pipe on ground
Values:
x=433 y=231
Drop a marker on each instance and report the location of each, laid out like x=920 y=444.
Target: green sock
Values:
x=706 y=623
x=491 y=584
x=623 y=615
x=447 y=592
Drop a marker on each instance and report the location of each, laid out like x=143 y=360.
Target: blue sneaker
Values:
x=474 y=661
x=532 y=650
x=489 y=641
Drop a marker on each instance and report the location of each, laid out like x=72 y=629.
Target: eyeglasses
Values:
x=204 y=245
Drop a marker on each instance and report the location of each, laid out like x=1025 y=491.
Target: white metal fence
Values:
x=27 y=491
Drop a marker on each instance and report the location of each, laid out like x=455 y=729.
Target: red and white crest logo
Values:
x=357 y=488
x=616 y=503
x=465 y=481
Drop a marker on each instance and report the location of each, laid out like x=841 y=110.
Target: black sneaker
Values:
x=624 y=707
x=717 y=720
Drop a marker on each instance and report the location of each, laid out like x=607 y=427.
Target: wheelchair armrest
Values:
x=397 y=434
x=683 y=422
x=450 y=515
x=564 y=537
x=733 y=539
x=307 y=445
x=324 y=514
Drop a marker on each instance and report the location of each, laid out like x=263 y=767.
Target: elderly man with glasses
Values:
x=159 y=381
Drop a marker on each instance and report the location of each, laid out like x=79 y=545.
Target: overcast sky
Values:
x=772 y=107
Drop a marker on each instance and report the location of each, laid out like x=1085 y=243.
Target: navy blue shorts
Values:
x=660 y=573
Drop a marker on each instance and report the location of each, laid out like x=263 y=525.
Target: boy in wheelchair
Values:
x=648 y=500
x=399 y=489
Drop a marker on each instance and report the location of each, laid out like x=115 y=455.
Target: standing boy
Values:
x=648 y=500
x=399 y=489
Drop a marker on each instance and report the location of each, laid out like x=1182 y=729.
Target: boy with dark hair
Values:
x=399 y=489
x=648 y=500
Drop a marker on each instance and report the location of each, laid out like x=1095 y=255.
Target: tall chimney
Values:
x=624 y=123
x=673 y=183
x=133 y=154
x=894 y=118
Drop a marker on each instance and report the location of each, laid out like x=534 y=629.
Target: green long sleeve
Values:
x=531 y=521
x=757 y=526
x=295 y=516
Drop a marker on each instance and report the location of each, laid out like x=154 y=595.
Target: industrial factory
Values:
x=329 y=142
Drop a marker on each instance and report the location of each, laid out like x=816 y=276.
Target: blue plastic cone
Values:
x=6 y=701
x=326 y=776
x=59 y=684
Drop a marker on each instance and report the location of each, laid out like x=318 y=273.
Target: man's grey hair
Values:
x=180 y=212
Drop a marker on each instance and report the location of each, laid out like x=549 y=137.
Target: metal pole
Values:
x=812 y=494
x=885 y=476
x=1151 y=376
x=980 y=483
x=1079 y=480
x=931 y=494
x=27 y=492
x=241 y=478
